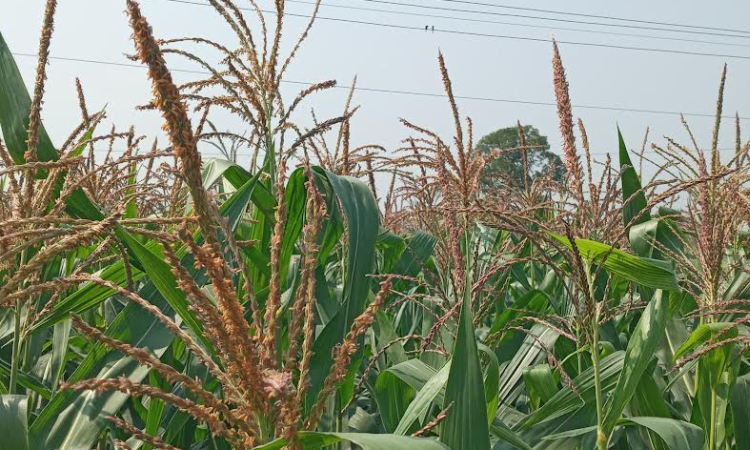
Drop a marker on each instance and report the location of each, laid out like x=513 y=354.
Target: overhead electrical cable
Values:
x=554 y=19
x=522 y=25
x=407 y=92
x=496 y=36
x=595 y=16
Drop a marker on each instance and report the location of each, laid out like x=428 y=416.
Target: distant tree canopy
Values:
x=508 y=167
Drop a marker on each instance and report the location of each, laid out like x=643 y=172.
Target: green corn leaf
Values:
x=414 y=372
x=643 y=271
x=540 y=383
x=578 y=432
x=741 y=412
x=634 y=212
x=491 y=381
x=153 y=420
x=641 y=347
x=313 y=441
x=533 y=300
x=393 y=397
x=27 y=380
x=91 y=294
x=423 y=400
x=531 y=352
x=678 y=435
x=15 y=107
x=13 y=421
x=703 y=334
x=663 y=231
x=387 y=335
x=466 y=427
x=506 y=435
x=566 y=401
x=60 y=336
x=159 y=272
x=361 y=212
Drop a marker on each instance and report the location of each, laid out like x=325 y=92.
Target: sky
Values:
x=515 y=67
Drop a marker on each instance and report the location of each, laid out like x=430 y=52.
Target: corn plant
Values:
x=154 y=299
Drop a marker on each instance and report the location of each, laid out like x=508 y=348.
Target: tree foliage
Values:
x=508 y=167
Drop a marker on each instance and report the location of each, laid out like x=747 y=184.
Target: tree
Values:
x=508 y=167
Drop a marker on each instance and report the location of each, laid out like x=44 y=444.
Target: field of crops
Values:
x=152 y=298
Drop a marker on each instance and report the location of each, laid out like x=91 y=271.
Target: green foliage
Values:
x=491 y=330
x=541 y=161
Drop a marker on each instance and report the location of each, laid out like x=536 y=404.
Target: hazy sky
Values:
x=398 y=59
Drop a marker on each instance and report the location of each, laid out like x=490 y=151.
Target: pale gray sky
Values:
x=398 y=59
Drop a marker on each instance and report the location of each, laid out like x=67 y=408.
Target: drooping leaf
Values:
x=644 y=271
x=703 y=334
x=678 y=435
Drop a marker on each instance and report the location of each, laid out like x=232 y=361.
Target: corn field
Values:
x=151 y=298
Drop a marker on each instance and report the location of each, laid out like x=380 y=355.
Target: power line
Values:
x=595 y=16
x=495 y=36
x=554 y=19
x=406 y=92
x=524 y=25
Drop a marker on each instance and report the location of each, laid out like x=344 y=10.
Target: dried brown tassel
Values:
x=738 y=140
x=167 y=99
x=315 y=212
x=274 y=288
x=345 y=164
x=120 y=445
x=442 y=415
x=317 y=206
x=176 y=121
x=715 y=157
x=524 y=157
x=456 y=117
x=31 y=268
x=35 y=114
x=565 y=114
x=82 y=102
x=371 y=177
x=586 y=149
x=303 y=312
x=125 y=385
x=153 y=441
x=274 y=56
